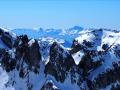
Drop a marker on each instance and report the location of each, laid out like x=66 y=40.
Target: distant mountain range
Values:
x=66 y=35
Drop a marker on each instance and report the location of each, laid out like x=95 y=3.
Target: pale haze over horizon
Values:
x=60 y=13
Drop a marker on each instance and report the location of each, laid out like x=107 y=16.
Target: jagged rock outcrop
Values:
x=6 y=38
x=49 y=85
x=7 y=62
x=106 y=78
x=32 y=54
x=60 y=62
x=28 y=49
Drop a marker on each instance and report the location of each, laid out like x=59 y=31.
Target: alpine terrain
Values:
x=57 y=59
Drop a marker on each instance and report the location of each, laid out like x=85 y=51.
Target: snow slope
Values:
x=4 y=78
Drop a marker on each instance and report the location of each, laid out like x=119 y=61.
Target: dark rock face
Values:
x=30 y=54
x=60 y=63
x=8 y=63
x=2 y=52
x=1 y=31
x=105 y=46
x=80 y=73
x=76 y=47
x=7 y=39
x=24 y=54
x=87 y=63
x=106 y=78
x=33 y=55
x=87 y=43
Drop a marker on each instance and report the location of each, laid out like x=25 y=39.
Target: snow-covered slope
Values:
x=4 y=78
x=100 y=47
x=43 y=61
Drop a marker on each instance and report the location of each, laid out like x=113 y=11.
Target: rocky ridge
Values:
x=91 y=63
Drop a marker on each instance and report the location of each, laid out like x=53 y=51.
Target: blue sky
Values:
x=60 y=13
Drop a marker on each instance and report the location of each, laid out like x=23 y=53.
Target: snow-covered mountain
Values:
x=73 y=59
